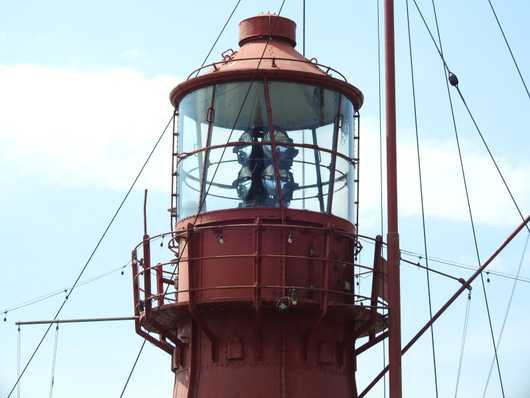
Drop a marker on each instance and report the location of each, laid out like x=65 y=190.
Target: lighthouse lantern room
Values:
x=257 y=297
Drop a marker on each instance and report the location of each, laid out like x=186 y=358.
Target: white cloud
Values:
x=444 y=194
x=82 y=128
x=94 y=128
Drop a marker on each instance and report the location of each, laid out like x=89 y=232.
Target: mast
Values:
x=394 y=327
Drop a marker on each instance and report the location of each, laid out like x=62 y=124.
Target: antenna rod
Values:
x=394 y=324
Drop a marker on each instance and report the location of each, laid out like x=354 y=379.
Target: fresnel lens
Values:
x=256 y=183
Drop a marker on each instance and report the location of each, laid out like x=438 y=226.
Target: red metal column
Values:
x=394 y=327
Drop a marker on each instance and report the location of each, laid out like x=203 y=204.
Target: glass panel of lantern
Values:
x=311 y=133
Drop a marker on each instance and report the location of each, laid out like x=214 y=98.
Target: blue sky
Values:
x=84 y=94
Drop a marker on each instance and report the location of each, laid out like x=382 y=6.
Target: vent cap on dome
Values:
x=266 y=26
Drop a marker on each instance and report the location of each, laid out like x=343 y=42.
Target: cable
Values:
x=468 y=201
x=85 y=266
x=469 y=268
x=454 y=82
x=454 y=264
x=460 y=280
x=303 y=131
x=438 y=49
x=203 y=200
x=218 y=37
x=54 y=293
x=509 y=49
x=133 y=367
x=463 y=343
x=477 y=128
x=54 y=360
x=380 y=114
x=303 y=28
x=424 y=230
x=508 y=306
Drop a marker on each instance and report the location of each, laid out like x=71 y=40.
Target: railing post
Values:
x=136 y=292
x=146 y=244
x=159 y=285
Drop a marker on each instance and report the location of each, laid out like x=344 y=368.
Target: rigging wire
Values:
x=380 y=125
x=380 y=116
x=418 y=265
x=132 y=368
x=94 y=250
x=203 y=200
x=469 y=268
x=54 y=360
x=219 y=36
x=463 y=342
x=454 y=82
x=468 y=200
x=57 y=292
x=515 y=63
x=303 y=28
x=303 y=131
x=452 y=263
x=424 y=229
x=479 y=131
x=501 y=333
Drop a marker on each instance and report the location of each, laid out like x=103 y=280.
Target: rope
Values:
x=54 y=360
x=468 y=201
x=508 y=306
x=509 y=49
x=85 y=266
x=427 y=273
x=203 y=200
x=463 y=343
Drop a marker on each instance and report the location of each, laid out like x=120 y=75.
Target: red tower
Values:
x=258 y=299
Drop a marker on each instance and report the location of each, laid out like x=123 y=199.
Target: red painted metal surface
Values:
x=261 y=306
x=265 y=26
x=259 y=302
x=280 y=61
x=394 y=327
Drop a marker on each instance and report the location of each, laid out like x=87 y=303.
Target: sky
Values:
x=84 y=95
